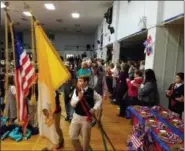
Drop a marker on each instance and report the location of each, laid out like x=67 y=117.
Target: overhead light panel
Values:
x=3 y=5
x=75 y=15
x=27 y=13
x=49 y=6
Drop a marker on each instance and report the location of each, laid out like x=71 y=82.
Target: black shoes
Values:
x=67 y=119
x=120 y=115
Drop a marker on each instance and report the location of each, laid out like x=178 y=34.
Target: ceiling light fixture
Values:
x=75 y=15
x=26 y=10
x=27 y=13
x=3 y=5
x=49 y=6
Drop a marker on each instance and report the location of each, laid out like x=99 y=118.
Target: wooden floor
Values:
x=117 y=128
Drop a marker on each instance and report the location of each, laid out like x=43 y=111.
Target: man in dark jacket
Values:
x=68 y=91
x=98 y=83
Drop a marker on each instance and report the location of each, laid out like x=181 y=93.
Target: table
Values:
x=169 y=118
x=143 y=115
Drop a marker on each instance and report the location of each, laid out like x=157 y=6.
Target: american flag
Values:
x=24 y=77
x=136 y=141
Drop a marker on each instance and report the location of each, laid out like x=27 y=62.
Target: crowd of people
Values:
x=95 y=81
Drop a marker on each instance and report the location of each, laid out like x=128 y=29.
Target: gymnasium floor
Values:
x=117 y=128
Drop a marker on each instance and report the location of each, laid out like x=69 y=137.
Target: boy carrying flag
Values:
x=85 y=102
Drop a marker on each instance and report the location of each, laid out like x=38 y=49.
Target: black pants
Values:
x=126 y=102
x=177 y=108
x=109 y=82
x=142 y=103
x=114 y=94
x=122 y=108
x=2 y=107
x=68 y=107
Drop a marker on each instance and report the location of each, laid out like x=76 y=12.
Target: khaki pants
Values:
x=80 y=126
x=57 y=117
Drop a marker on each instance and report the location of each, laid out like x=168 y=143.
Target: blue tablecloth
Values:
x=132 y=111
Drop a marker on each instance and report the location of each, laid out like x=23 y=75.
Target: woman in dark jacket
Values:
x=121 y=88
x=148 y=93
x=109 y=78
x=175 y=93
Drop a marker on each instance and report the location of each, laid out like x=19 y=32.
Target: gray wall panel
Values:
x=169 y=57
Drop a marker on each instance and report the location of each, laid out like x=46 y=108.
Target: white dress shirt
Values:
x=178 y=85
x=95 y=80
x=114 y=72
x=13 y=90
x=97 y=99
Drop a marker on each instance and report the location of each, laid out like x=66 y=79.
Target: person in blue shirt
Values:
x=84 y=69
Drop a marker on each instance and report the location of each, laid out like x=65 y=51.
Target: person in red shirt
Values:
x=133 y=86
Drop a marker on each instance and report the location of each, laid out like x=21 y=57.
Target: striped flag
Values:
x=135 y=141
x=24 y=77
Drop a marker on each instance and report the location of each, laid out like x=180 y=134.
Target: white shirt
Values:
x=95 y=80
x=142 y=86
x=114 y=72
x=131 y=69
x=13 y=90
x=142 y=67
x=178 y=85
x=97 y=99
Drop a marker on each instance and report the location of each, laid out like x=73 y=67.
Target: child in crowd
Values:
x=175 y=93
x=133 y=86
x=11 y=110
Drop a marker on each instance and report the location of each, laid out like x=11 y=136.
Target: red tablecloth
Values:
x=144 y=112
x=170 y=117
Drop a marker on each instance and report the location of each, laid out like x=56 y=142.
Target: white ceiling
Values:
x=91 y=14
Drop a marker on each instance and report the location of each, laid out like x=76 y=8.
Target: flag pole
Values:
x=33 y=97
x=13 y=50
x=32 y=38
x=6 y=56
